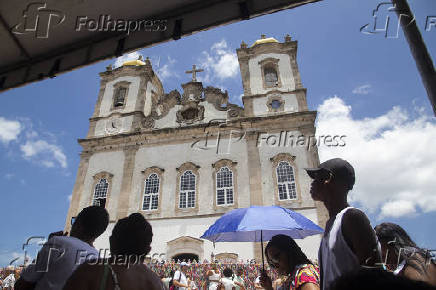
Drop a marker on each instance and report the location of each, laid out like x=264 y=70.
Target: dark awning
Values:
x=43 y=39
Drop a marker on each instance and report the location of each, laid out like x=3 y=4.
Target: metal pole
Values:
x=419 y=51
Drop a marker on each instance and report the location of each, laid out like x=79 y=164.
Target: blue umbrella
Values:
x=260 y=223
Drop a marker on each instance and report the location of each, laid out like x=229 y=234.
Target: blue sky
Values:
x=365 y=85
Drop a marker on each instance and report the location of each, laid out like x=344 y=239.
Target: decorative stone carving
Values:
x=234 y=111
x=190 y=113
x=192 y=91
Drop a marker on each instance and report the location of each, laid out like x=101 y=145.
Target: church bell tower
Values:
x=270 y=77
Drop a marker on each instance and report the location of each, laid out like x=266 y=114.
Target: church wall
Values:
x=291 y=103
x=106 y=104
x=310 y=245
x=260 y=105
x=169 y=120
x=103 y=127
x=210 y=113
x=148 y=99
x=170 y=157
x=267 y=151
x=286 y=76
x=111 y=162
x=170 y=229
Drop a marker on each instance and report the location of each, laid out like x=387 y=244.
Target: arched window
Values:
x=224 y=186
x=100 y=193
x=187 y=190
x=270 y=74
x=120 y=96
x=286 y=181
x=151 y=193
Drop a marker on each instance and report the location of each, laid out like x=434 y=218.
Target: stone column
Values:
x=255 y=179
x=78 y=189
x=126 y=183
x=254 y=170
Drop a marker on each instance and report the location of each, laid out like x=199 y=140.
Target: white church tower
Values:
x=184 y=159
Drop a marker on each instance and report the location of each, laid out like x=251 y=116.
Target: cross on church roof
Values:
x=194 y=72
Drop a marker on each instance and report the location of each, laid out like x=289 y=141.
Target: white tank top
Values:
x=335 y=256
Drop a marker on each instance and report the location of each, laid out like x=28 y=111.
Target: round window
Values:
x=276 y=104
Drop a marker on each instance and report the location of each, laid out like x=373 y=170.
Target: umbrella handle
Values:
x=261 y=246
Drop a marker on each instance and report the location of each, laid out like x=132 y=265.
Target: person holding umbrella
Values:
x=283 y=254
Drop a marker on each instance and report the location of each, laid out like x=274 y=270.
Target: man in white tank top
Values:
x=349 y=241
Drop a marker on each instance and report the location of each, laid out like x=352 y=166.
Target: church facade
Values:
x=182 y=159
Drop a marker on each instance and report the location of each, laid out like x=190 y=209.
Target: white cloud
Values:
x=397 y=208
x=391 y=153
x=362 y=90
x=220 y=62
x=9 y=130
x=167 y=70
x=43 y=152
x=126 y=57
x=70 y=197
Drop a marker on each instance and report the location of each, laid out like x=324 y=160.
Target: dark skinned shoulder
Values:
x=360 y=236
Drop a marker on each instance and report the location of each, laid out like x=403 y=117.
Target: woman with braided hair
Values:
x=403 y=256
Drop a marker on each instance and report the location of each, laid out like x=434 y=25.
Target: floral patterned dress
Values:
x=305 y=273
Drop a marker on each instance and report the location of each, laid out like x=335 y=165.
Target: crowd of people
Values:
x=8 y=276
x=210 y=275
x=352 y=254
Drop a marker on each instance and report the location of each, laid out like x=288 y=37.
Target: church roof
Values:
x=263 y=40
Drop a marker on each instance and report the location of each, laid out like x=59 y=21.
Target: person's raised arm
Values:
x=361 y=238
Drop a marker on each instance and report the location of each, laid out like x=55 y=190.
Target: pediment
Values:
x=186 y=239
